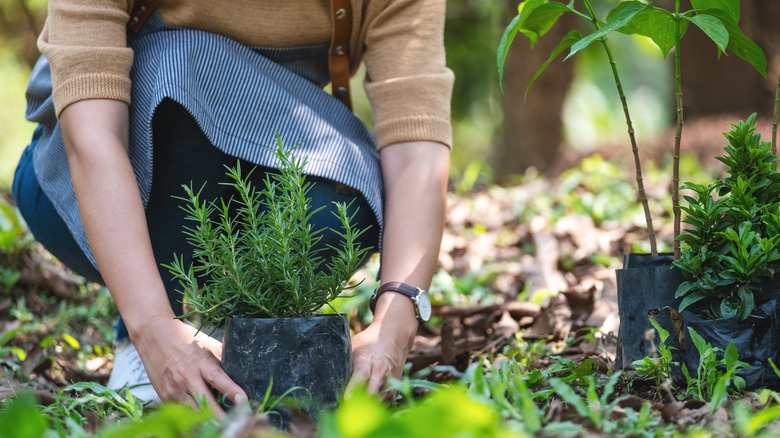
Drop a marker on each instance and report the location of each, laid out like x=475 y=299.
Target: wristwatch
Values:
x=419 y=297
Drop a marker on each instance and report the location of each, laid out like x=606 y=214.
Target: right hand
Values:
x=183 y=365
x=180 y=365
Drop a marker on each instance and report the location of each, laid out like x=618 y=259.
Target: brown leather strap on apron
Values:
x=341 y=15
x=338 y=55
x=142 y=9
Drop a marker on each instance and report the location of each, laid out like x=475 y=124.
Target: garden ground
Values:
x=525 y=325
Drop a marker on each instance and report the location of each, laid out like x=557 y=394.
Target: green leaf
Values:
x=731 y=355
x=656 y=24
x=20 y=354
x=730 y=7
x=691 y=299
x=541 y=19
x=569 y=39
x=169 y=420
x=698 y=341
x=524 y=10
x=713 y=28
x=524 y=400
x=503 y=48
x=12 y=218
x=684 y=288
x=45 y=342
x=729 y=307
x=741 y=45
x=747 y=302
x=644 y=366
x=569 y=396
x=719 y=392
x=619 y=20
x=689 y=238
x=465 y=417
x=70 y=340
x=9 y=335
x=662 y=334
x=21 y=418
x=360 y=404
x=587 y=367
x=761 y=418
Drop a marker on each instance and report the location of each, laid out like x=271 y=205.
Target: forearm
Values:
x=415 y=176
x=96 y=136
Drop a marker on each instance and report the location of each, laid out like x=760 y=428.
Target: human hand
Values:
x=183 y=365
x=380 y=351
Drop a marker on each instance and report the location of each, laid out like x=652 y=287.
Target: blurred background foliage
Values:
x=497 y=136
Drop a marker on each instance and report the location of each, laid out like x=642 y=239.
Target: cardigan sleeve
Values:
x=85 y=42
x=407 y=81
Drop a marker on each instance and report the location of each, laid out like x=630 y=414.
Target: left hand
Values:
x=380 y=351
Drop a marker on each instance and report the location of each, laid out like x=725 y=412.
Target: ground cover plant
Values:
x=522 y=342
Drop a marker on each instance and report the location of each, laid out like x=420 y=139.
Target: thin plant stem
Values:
x=637 y=163
x=774 y=122
x=678 y=134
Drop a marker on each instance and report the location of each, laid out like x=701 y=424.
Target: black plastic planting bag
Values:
x=309 y=359
x=646 y=286
x=755 y=339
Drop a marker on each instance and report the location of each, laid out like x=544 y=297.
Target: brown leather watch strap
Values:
x=393 y=286
x=141 y=11
x=341 y=16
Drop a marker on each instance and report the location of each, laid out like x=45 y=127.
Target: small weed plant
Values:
x=714 y=377
x=659 y=366
x=597 y=403
x=257 y=254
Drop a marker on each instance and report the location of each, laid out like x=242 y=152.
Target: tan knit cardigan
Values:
x=400 y=42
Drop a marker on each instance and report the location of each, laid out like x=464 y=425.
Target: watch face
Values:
x=424 y=305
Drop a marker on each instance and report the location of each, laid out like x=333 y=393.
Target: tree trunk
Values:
x=533 y=129
x=729 y=84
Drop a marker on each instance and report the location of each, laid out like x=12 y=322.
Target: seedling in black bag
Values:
x=261 y=271
x=732 y=247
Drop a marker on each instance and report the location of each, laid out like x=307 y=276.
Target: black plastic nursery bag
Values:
x=310 y=356
x=646 y=286
x=755 y=339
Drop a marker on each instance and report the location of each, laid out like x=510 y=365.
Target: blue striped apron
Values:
x=241 y=98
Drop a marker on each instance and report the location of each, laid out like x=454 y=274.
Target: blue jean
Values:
x=183 y=155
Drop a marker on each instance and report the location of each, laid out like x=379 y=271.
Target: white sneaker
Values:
x=129 y=371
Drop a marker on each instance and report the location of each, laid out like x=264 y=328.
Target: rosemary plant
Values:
x=256 y=255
